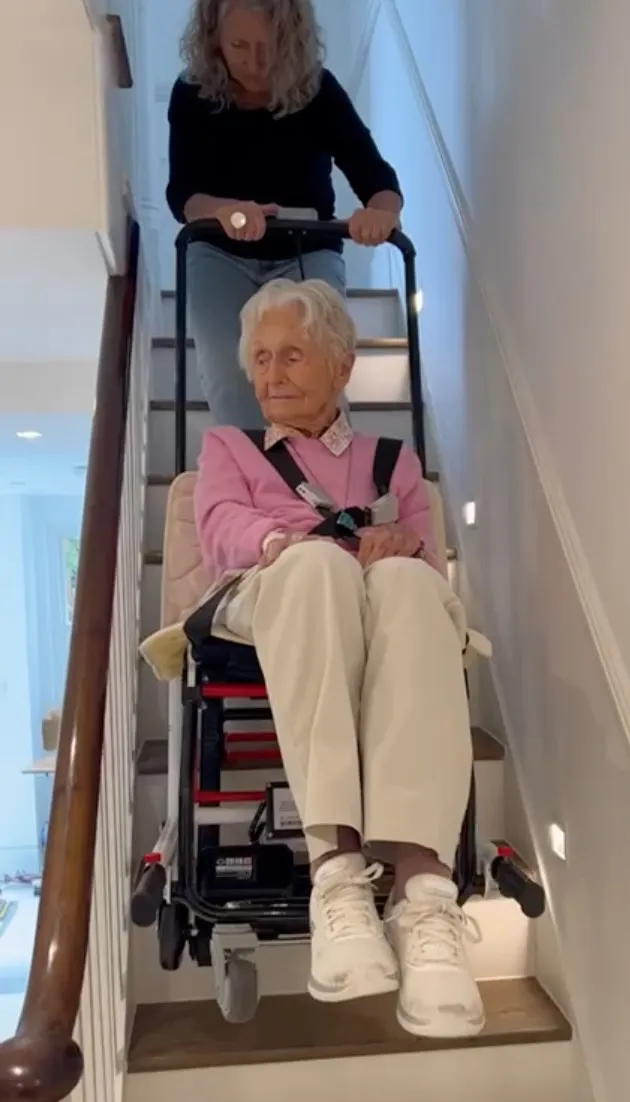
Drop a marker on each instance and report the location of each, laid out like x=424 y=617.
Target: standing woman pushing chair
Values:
x=256 y=124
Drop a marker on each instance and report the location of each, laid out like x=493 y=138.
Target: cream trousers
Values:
x=365 y=681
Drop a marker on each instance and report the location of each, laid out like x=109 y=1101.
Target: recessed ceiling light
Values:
x=29 y=434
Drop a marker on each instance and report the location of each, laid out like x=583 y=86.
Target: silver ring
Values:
x=238 y=220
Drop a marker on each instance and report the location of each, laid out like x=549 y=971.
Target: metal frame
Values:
x=297 y=231
x=197 y=713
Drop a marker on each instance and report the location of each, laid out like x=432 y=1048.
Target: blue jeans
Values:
x=219 y=285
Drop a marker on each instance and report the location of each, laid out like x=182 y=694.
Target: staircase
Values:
x=179 y=1041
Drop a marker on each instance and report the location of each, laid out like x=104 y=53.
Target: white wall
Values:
x=47 y=520
x=52 y=295
x=19 y=847
x=52 y=164
x=508 y=124
x=70 y=140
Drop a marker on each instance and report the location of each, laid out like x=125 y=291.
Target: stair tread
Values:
x=153 y=755
x=363 y=343
x=184 y=1035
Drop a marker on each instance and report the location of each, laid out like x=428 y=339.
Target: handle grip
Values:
x=148 y=895
x=514 y=883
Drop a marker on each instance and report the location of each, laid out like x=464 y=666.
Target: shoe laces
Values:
x=347 y=904
x=436 y=931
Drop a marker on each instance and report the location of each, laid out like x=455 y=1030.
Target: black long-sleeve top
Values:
x=250 y=155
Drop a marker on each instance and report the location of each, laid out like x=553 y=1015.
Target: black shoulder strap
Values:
x=283 y=462
x=257 y=437
x=385 y=460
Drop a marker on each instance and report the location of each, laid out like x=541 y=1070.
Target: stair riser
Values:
x=494 y=1074
x=153 y=707
x=379 y=376
x=161 y=460
x=150 y=802
x=374 y=316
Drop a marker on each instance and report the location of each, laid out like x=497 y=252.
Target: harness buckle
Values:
x=346 y=522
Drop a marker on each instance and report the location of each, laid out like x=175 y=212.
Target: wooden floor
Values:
x=175 y=1036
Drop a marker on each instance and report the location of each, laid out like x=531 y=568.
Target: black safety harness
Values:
x=338 y=524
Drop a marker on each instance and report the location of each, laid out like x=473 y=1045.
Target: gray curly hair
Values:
x=297 y=75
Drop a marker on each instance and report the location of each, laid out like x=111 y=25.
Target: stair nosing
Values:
x=351 y=292
x=363 y=344
x=198 y=405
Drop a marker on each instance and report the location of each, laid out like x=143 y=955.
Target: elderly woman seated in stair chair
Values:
x=360 y=641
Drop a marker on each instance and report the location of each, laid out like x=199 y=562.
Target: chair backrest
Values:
x=185 y=578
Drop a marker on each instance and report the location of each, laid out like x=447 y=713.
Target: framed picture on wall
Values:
x=70 y=565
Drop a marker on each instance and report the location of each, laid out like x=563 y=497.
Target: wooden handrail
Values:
x=122 y=64
x=43 y=1062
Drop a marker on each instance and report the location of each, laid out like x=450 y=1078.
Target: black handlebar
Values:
x=209 y=229
x=205 y=229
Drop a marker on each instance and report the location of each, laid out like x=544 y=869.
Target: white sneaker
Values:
x=350 y=955
x=438 y=995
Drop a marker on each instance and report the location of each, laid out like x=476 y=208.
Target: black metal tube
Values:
x=207 y=229
x=180 y=356
x=415 y=363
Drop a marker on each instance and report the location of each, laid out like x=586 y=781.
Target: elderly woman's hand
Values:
x=387 y=541
x=369 y=226
x=278 y=542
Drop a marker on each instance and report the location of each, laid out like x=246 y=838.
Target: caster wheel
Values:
x=238 y=998
x=203 y=952
x=172 y=924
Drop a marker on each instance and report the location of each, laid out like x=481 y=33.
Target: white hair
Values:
x=325 y=316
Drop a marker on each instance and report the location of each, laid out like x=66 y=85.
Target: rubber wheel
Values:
x=238 y=1001
x=171 y=936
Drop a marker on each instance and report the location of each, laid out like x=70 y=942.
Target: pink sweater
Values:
x=240 y=498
